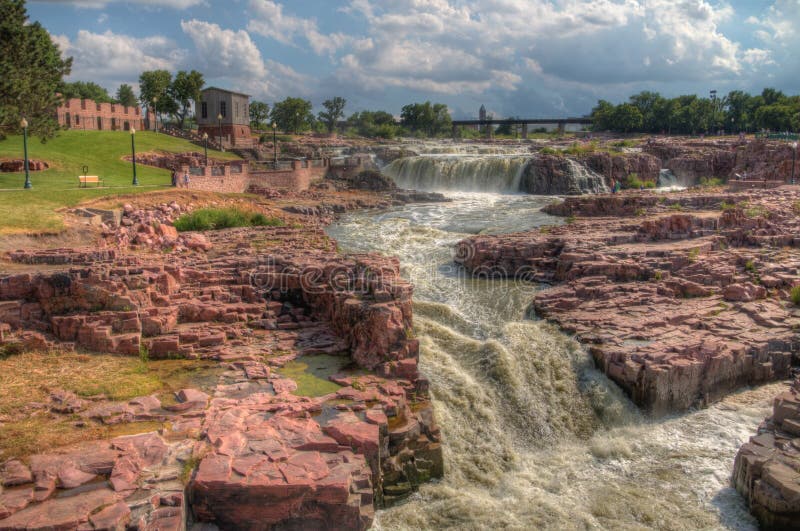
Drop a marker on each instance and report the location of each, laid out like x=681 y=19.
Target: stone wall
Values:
x=298 y=178
x=77 y=113
x=229 y=178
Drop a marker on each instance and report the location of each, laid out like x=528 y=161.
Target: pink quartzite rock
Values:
x=766 y=470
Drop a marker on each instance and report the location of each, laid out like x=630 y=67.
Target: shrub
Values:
x=224 y=218
x=725 y=206
x=708 y=182
x=750 y=266
x=639 y=212
x=550 y=151
x=581 y=149
x=756 y=211
x=693 y=254
x=632 y=181
x=676 y=207
x=795 y=294
x=569 y=220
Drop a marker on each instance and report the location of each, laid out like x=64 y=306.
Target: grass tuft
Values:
x=224 y=218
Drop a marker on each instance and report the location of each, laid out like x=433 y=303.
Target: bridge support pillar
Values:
x=524 y=131
x=562 y=126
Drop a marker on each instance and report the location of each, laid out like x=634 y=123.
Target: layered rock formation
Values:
x=679 y=300
x=767 y=468
x=259 y=449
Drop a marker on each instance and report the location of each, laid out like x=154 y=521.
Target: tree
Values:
x=155 y=85
x=334 y=111
x=292 y=114
x=603 y=116
x=125 y=95
x=31 y=71
x=373 y=124
x=85 y=90
x=259 y=112
x=433 y=119
x=775 y=117
x=184 y=90
x=627 y=118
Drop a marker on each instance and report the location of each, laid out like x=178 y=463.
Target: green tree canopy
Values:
x=293 y=115
x=185 y=90
x=259 y=113
x=31 y=72
x=373 y=124
x=155 y=85
x=87 y=90
x=431 y=119
x=334 y=111
x=125 y=95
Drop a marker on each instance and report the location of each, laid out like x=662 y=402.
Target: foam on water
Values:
x=533 y=435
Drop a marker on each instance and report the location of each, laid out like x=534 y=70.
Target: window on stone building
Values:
x=77 y=119
x=222 y=109
x=204 y=109
x=236 y=114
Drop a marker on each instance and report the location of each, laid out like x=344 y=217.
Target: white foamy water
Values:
x=534 y=437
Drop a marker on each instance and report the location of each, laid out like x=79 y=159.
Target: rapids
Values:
x=535 y=437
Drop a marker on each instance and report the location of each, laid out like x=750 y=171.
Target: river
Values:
x=534 y=436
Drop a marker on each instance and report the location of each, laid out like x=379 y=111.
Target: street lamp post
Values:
x=219 y=123
x=133 y=152
x=24 y=125
x=155 y=112
x=296 y=122
x=794 y=158
x=275 y=142
x=205 y=146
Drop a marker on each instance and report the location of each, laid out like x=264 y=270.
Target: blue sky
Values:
x=532 y=58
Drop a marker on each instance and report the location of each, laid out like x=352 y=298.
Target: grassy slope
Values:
x=34 y=210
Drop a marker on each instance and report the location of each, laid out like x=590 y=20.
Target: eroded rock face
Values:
x=257 y=449
x=678 y=308
x=767 y=468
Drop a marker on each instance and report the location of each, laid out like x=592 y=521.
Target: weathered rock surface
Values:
x=678 y=308
x=767 y=469
x=252 y=451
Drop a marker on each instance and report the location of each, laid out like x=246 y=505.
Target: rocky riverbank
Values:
x=680 y=298
x=767 y=468
x=318 y=414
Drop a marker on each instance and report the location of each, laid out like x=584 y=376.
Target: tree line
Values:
x=295 y=115
x=738 y=111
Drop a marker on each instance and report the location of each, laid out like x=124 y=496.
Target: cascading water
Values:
x=465 y=173
x=668 y=182
x=535 y=437
x=512 y=171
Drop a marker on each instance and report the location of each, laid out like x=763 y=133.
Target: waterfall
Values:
x=667 y=181
x=462 y=173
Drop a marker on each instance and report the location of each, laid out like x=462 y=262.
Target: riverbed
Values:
x=534 y=436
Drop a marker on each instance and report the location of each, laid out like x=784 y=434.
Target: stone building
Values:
x=224 y=113
x=77 y=113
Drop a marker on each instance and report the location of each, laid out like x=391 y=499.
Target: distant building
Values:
x=77 y=113
x=482 y=114
x=224 y=113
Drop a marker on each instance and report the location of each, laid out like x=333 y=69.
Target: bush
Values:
x=795 y=294
x=224 y=218
x=708 y=182
x=632 y=181
x=581 y=149
x=550 y=151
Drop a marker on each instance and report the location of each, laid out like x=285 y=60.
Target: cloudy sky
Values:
x=532 y=58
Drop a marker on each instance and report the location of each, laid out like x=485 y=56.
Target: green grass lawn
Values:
x=102 y=151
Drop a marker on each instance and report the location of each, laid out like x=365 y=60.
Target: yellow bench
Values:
x=84 y=180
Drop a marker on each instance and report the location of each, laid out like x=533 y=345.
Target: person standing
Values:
x=186 y=179
x=174 y=177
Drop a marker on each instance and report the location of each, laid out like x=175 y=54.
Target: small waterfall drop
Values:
x=461 y=173
x=668 y=182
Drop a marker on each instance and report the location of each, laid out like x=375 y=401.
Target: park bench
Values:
x=85 y=180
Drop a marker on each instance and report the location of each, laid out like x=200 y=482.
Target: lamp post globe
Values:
x=133 y=156
x=219 y=123
x=24 y=125
x=205 y=146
